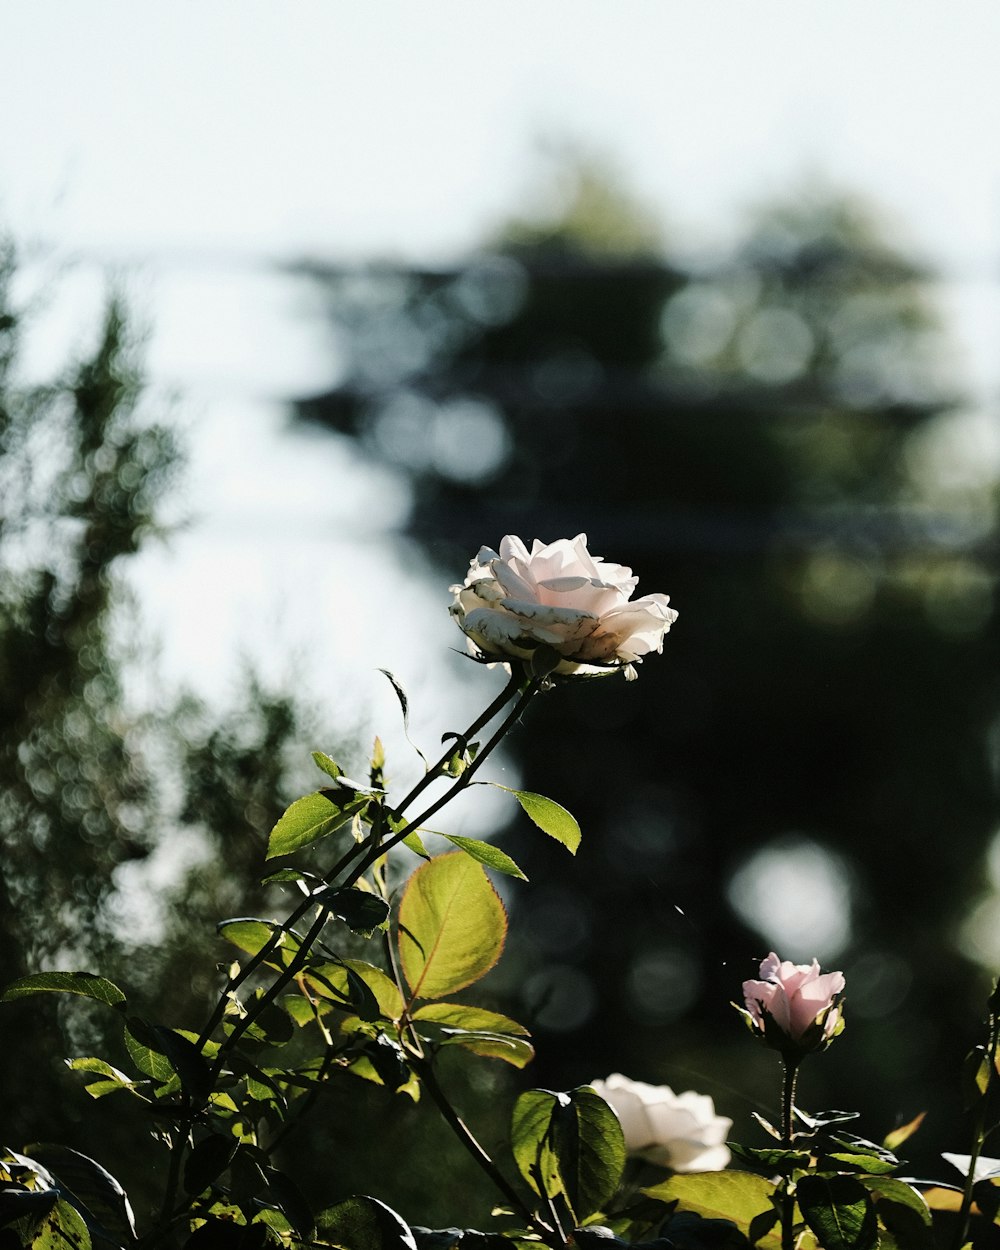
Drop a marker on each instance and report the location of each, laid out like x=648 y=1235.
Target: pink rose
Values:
x=795 y=1006
x=560 y=598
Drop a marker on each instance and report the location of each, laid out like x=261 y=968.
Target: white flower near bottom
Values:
x=677 y=1131
x=559 y=597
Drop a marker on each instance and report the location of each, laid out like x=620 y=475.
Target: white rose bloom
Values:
x=677 y=1131
x=559 y=596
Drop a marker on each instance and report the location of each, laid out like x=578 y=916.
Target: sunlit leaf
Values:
x=943 y=1197
x=283 y=876
x=251 y=935
x=486 y=853
x=771 y=1159
x=569 y=1144
x=161 y=1053
x=513 y=1050
x=90 y=1183
x=531 y=1140
x=459 y=1016
x=146 y=1051
x=64 y=1226
x=839 y=1210
x=898 y=1136
x=363 y=1224
x=326 y=764
x=311 y=818
x=413 y=843
x=333 y=980
x=84 y=983
x=859 y=1155
x=591 y=1150
x=986 y=1169
x=898 y=1191
x=114 y=1078
x=484 y=1033
x=452 y=926
x=301 y=1010
x=728 y=1195
x=548 y=815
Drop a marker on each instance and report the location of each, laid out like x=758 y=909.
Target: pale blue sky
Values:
x=391 y=125
x=192 y=140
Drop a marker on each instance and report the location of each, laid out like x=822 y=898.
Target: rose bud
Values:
x=794 y=1008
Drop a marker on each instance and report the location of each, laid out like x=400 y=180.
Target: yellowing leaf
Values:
x=452 y=926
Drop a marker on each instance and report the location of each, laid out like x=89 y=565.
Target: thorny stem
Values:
x=438 y=769
x=374 y=853
x=375 y=849
x=296 y=1116
x=471 y=1143
x=461 y=783
x=790 y=1074
x=979 y=1124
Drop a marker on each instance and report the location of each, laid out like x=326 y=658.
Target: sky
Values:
x=404 y=128
x=184 y=147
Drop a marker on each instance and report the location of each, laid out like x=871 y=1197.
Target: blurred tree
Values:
x=807 y=765
x=95 y=795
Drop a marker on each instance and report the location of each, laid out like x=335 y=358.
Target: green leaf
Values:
x=161 y=1053
x=146 y=1050
x=548 y=815
x=283 y=875
x=513 y=1050
x=730 y=1195
x=897 y=1191
x=484 y=1033
x=92 y=1185
x=361 y=911
x=251 y=935
x=327 y=765
x=590 y=1135
x=336 y=981
x=413 y=843
x=773 y=1159
x=115 y=1079
x=531 y=1140
x=62 y=1228
x=459 y=1016
x=452 y=926
x=570 y=1145
x=839 y=1210
x=84 y=983
x=311 y=818
x=363 y=1224
x=859 y=1155
x=486 y=853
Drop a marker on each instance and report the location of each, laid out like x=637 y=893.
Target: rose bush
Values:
x=560 y=597
x=678 y=1131
x=794 y=1005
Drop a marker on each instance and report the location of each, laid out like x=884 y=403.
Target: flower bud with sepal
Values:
x=794 y=1008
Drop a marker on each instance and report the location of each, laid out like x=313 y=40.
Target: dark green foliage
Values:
x=89 y=785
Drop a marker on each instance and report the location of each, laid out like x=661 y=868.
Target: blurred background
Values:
x=300 y=308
